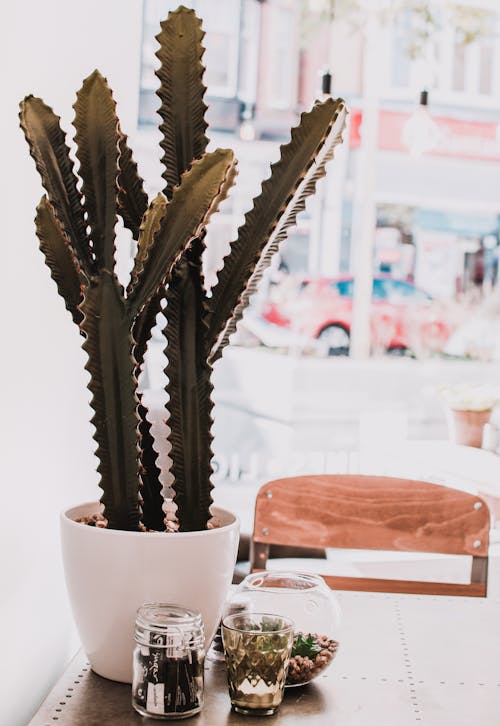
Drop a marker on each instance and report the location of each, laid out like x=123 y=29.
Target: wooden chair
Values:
x=374 y=513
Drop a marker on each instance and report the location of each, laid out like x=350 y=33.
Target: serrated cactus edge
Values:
x=76 y=230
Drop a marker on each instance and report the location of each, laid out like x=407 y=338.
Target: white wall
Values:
x=47 y=462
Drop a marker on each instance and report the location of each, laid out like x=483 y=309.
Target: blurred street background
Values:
x=387 y=288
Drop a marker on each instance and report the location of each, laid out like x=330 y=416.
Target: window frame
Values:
x=442 y=84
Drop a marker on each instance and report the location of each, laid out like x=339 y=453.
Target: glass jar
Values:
x=305 y=599
x=168 y=661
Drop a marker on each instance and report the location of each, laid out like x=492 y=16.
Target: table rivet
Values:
x=269 y=494
x=476 y=543
x=265 y=530
x=478 y=505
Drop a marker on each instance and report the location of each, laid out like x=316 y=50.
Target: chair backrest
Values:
x=374 y=512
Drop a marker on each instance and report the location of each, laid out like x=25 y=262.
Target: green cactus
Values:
x=76 y=230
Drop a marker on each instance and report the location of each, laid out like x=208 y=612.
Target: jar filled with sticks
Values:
x=168 y=662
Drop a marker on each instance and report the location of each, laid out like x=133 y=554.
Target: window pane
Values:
x=486 y=55
x=221 y=43
x=218 y=61
x=458 y=83
x=281 y=70
x=401 y=61
x=343 y=287
x=403 y=292
x=379 y=290
x=249 y=51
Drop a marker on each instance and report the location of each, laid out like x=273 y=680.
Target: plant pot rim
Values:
x=231 y=521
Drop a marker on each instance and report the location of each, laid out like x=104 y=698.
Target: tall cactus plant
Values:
x=75 y=224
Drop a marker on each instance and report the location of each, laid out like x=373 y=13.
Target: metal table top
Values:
x=403 y=659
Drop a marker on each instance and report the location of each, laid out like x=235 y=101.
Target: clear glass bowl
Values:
x=306 y=600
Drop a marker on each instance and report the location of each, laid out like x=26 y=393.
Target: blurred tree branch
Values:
x=427 y=18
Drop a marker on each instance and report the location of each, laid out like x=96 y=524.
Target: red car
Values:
x=403 y=318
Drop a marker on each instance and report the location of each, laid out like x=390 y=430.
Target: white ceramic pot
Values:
x=111 y=573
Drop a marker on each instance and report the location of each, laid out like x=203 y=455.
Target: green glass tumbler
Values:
x=257 y=648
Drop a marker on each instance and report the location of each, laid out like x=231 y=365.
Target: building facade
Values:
x=437 y=214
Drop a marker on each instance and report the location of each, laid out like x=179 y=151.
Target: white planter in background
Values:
x=111 y=573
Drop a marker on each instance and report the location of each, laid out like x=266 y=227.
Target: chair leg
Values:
x=479 y=571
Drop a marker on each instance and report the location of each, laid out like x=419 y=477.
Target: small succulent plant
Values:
x=306 y=646
x=75 y=224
